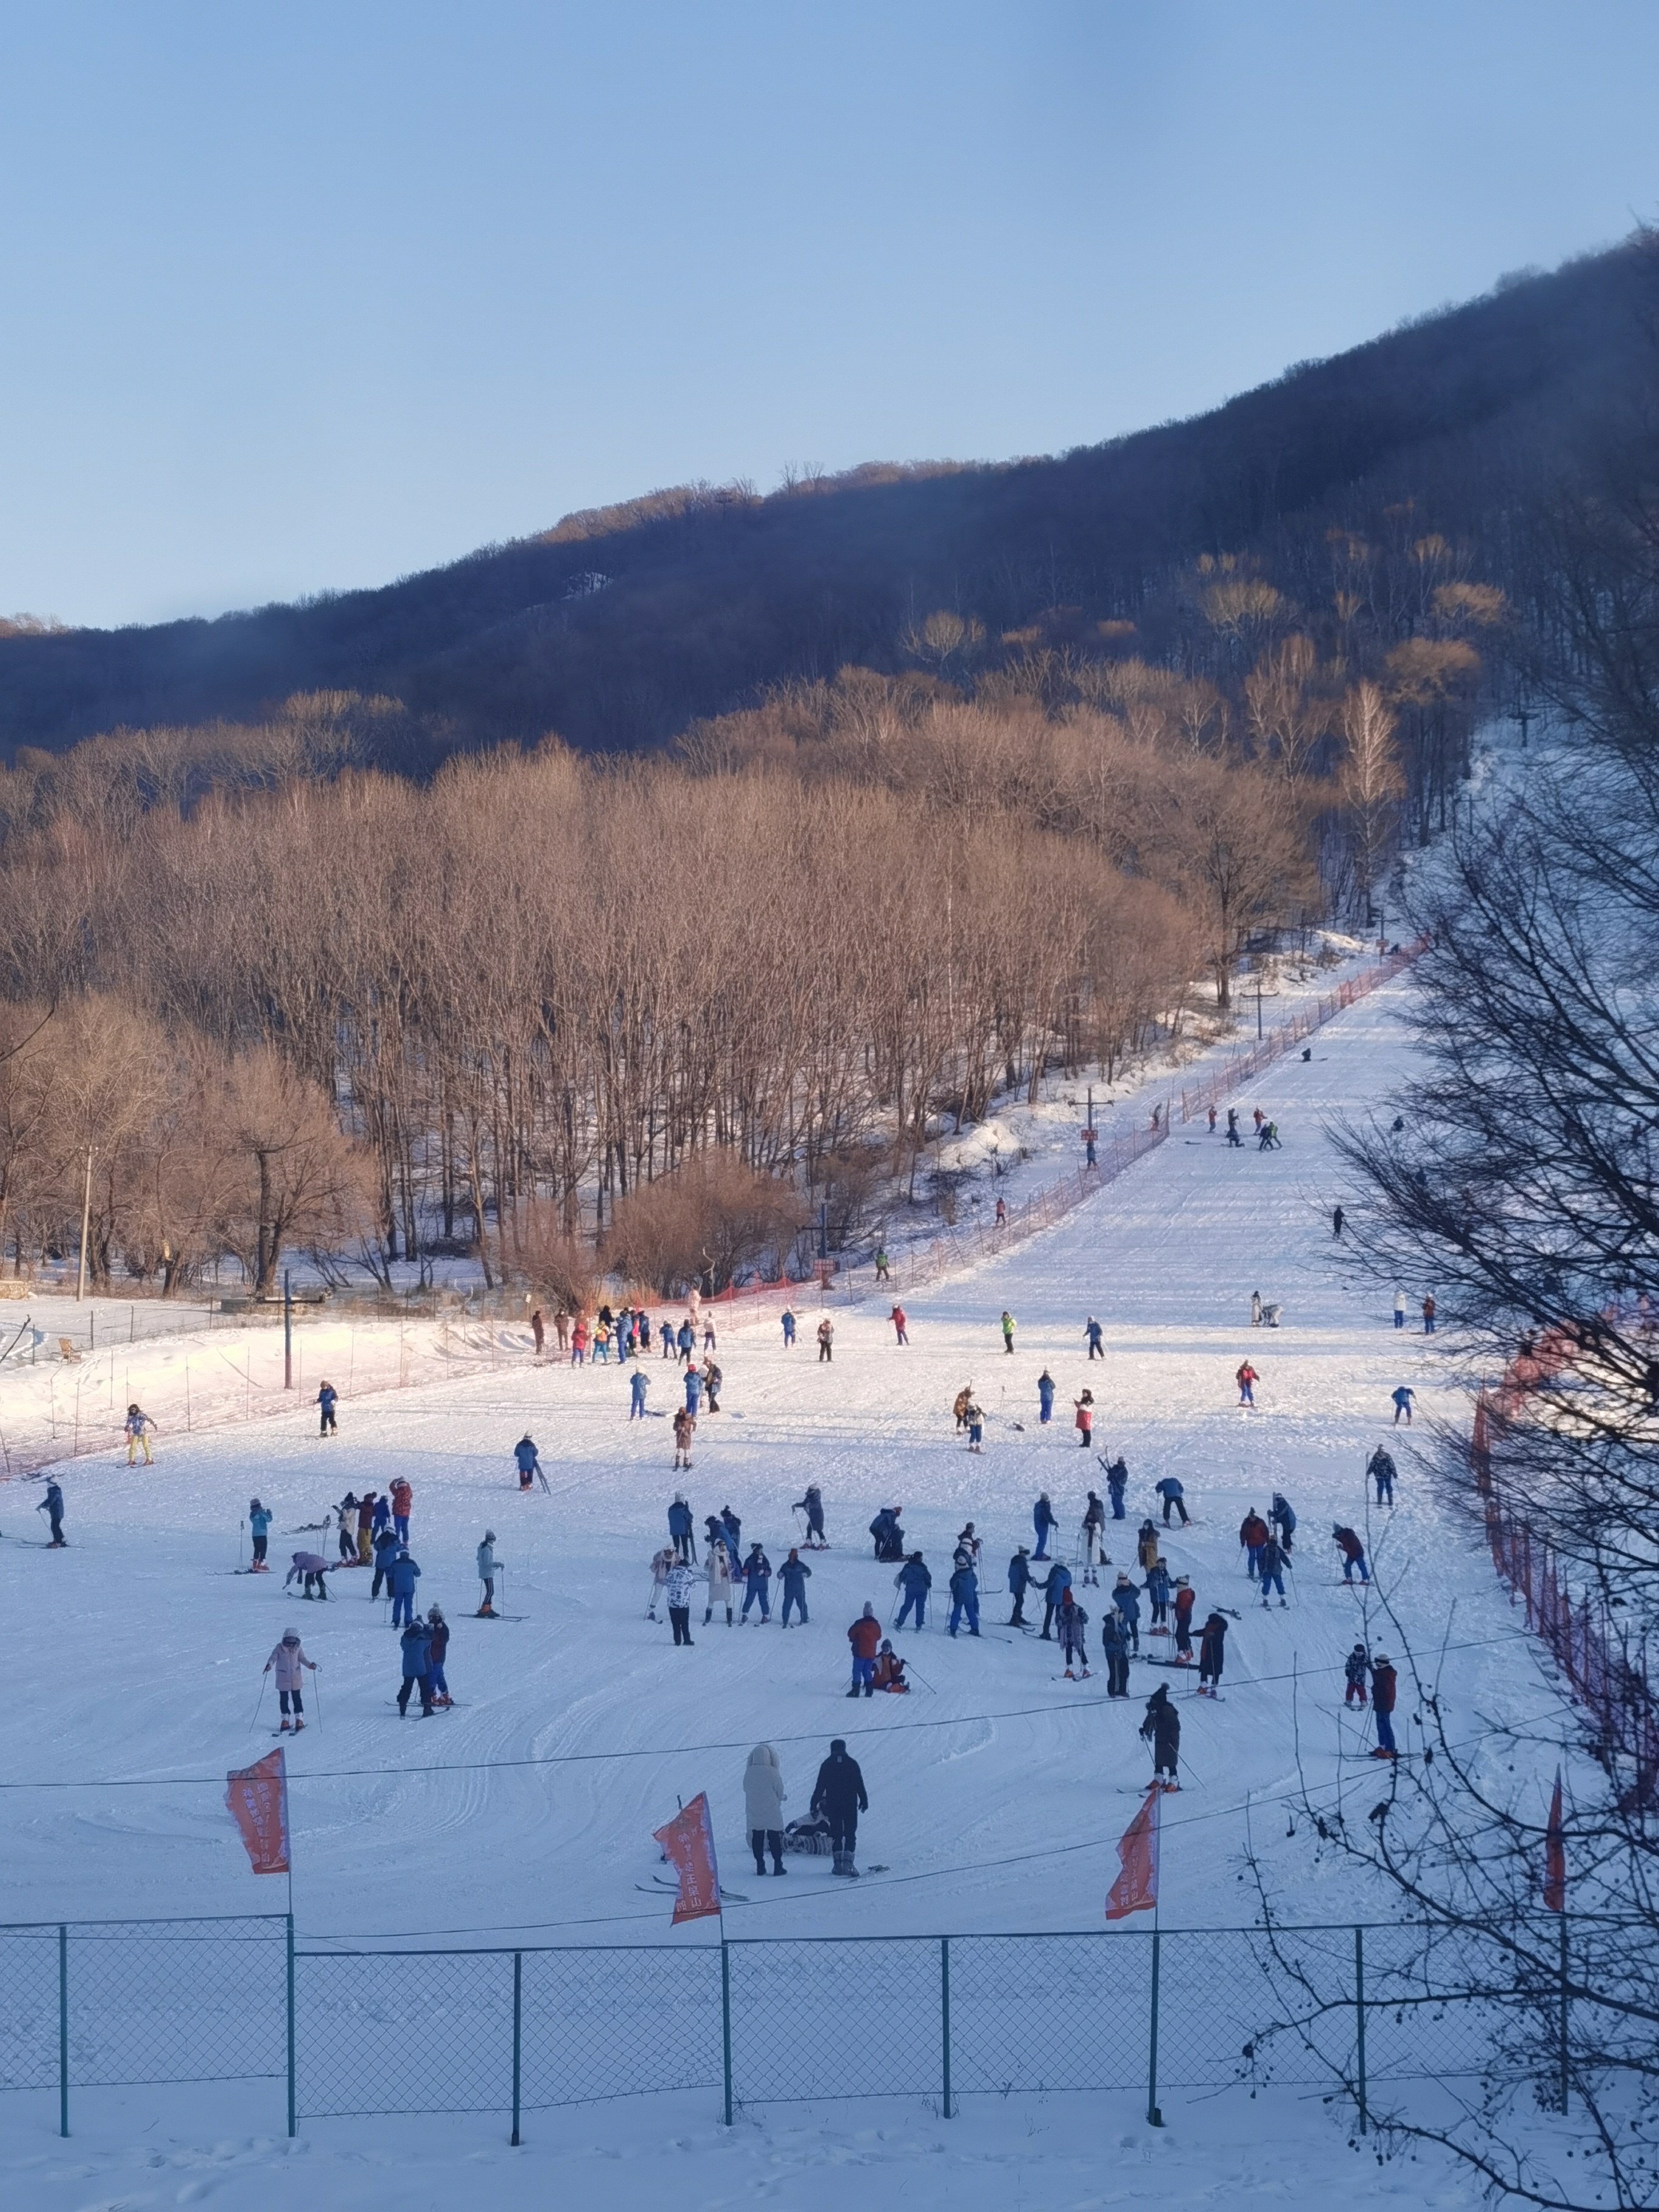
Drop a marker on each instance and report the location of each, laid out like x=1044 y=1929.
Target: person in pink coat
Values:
x=289 y=1661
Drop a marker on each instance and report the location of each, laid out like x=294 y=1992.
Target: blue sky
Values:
x=307 y=297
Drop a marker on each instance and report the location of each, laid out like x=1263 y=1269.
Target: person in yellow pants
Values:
x=139 y=1425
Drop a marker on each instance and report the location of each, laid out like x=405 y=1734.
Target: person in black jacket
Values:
x=1162 y=1729
x=840 y=1796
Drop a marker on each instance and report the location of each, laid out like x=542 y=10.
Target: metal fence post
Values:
x=290 y=1922
x=1154 y=2117
x=518 y=2035
x=725 y=2022
x=1359 y=2011
x=62 y=2029
x=1566 y=2085
x=945 y=2015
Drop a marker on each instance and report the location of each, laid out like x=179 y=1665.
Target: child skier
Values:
x=1183 y=1621
x=327 y=1398
x=437 y=1653
x=1354 y=1675
x=976 y=1428
x=1157 y=1593
x=1084 y=1419
x=486 y=1562
x=258 y=1521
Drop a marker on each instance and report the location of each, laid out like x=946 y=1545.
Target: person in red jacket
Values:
x=899 y=1324
x=1384 y=1684
x=402 y=1498
x=1253 y=1534
x=1183 y=1621
x=1354 y=1554
x=1247 y=1378
x=865 y=1637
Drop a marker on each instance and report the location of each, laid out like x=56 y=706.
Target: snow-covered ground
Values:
x=998 y=1792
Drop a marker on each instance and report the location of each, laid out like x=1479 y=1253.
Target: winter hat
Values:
x=290 y=1636
x=793 y=1554
x=885 y=1645
x=869 y=1610
x=1183 y=1582
x=254 y=1506
x=489 y=1536
x=1379 y=1659
x=1022 y=1552
x=1123 y=1578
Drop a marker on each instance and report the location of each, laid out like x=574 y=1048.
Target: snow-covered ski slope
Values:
x=998 y=1792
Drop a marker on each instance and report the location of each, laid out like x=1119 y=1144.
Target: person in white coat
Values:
x=289 y=1660
x=763 y=1805
x=719 y=1584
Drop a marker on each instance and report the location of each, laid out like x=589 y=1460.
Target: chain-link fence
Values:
x=750 y=2021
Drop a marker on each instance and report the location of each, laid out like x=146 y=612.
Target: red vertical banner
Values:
x=1555 y=1855
x=257 y=1798
x=687 y=1844
x=1135 y=1889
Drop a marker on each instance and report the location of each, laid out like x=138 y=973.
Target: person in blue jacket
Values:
x=636 y=1390
x=259 y=1520
x=386 y=1550
x=1281 y=1514
x=1114 y=1651
x=382 y=1514
x=327 y=1399
x=416 y=1642
x=686 y=1340
x=1019 y=1581
x=1043 y=1520
x=788 y=1320
x=1174 y=1499
x=1045 y=1397
x=679 y=1528
x=403 y=1578
x=1117 y=1481
x=526 y=1460
x=757 y=1583
x=1058 y=1581
x=793 y=1574
x=1127 y=1598
x=733 y=1529
x=1157 y=1592
x=1091 y=1338
x=914 y=1579
x=964 y=1598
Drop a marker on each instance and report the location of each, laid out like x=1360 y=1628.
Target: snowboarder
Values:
x=416 y=1642
x=1354 y=1553
x=1114 y=1651
x=1083 y=1417
x=1094 y=1548
x=1019 y=1581
x=1054 y=1587
x=762 y=1807
x=1253 y=1534
x=402 y=1498
x=1381 y=1469
x=719 y=1575
x=526 y=1460
x=1043 y=1520
x=976 y=1428
x=1247 y=1378
x=636 y=1390
x=1353 y=1676
x=1045 y=1398
x=1270 y=1564
x=1070 y=1623
x=1127 y=1598
x=787 y=1318
x=685 y=1429
x=52 y=1506
x=1211 y=1653
x=289 y=1661
x=757 y=1583
x=439 y=1652
x=914 y=1579
x=841 y=1796
x=309 y=1568
x=139 y=1427
x=1174 y=1499
x=1183 y=1621
x=826 y=1339
x=900 y=1325
x=661 y=1561
x=794 y=1574
x=1162 y=1729
x=485 y=1556
x=1091 y=1336
x=1117 y=1481
x=403 y=1577
x=327 y=1398
x=681 y=1580
x=1279 y=1513
x=1157 y=1586
x=964 y=1599
x=258 y=1521
x=864 y=1636
x=1007 y=1332
x=679 y=1528
x=813 y=1506
x=1384 y=1686
x=1402 y=1404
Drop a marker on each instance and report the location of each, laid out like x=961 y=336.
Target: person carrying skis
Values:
x=1283 y=1518
x=684 y=1428
x=757 y=1583
x=889 y=1671
x=794 y=1574
x=787 y=1318
x=840 y=1796
x=1083 y=1419
x=52 y=1506
x=1354 y=1553
x=1270 y=1565
x=1043 y=1520
x=826 y=1339
x=1146 y=1548
x=1162 y=1729
x=258 y=1521
x=416 y=1642
x=1183 y=1621
x=1211 y=1653
x=864 y=1636
x=914 y=1579
x=527 y=1461
x=1091 y=1336
x=1045 y=1398
x=1117 y=1481
x=327 y=1398
x=1054 y=1587
x=438 y=1652
x=1157 y=1586
x=289 y=1661
x=1114 y=1651
x=964 y=1599
x=309 y=1568
x=1174 y=1499
x=1384 y=1687
x=1070 y=1623
x=813 y=1506
x=901 y=1327
x=485 y=1556
x=1402 y=1404
x=1353 y=1676
x=138 y=1429
x=1094 y=1547
x=1247 y=1378
x=402 y=1498
x=976 y=1428
x=661 y=1561
x=1253 y=1534
x=763 y=1795
x=1007 y=1332
x=681 y=1580
x=1019 y=1581
x=1127 y=1598
x=404 y=1576
x=679 y=1528
x=638 y=1385
x=386 y=1550
x=1381 y=1469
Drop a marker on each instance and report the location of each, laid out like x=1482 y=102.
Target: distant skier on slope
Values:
x=1354 y=1553
x=327 y=1399
x=1043 y=1520
x=964 y=1599
x=1170 y=1491
x=258 y=1521
x=1381 y=1469
x=527 y=1461
x=289 y=1660
x=52 y=1506
x=1045 y=1398
x=813 y=1506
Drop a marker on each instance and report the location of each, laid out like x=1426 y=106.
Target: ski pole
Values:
x=257 y=1702
x=240 y=1526
x=316 y=1692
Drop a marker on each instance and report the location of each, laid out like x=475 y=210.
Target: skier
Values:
x=762 y=1807
x=1233 y=1137
x=138 y=1427
x=386 y=1550
x=813 y=1506
x=309 y=1567
x=1354 y=1553
x=527 y=1461
x=889 y=1537
x=1183 y=1621
x=679 y=1528
x=289 y=1661
x=1213 y=1121
x=327 y=1398
x=787 y=1318
x=1117 y=1481
x=1247 y=1378
x=795 y=1575
x=712 y=1380
x=900 y=1325
x=682 y=1579
x=661 y=1561
x=1255 y=1309
x=366 y=1505
x=636 y=1390
x=1402 y=1404
x=719 y=1576
x=685 y=1340
x=976 y=1428
x=826 y=1339
x=404 y=1576
x=402 y=1498
x=693 y=1391
x=1253 y=1534
x=416 y=1644
x=1283 y=1518
x=1054 y=1587
x=1337 y=1218
x=1019 y=1581
x=864 y=1636
x=1084 y=1419
x=914 y=1579
x=1146 y=1548
x=1094 y=1548
x=438 y=1653
x=1174 y=1499
x=889 y=1671
x=1045 y=1398
x=1127 y=1598
x=258 y=1521
x=964 y=1598
x=1070 y=1623
x=757 y=1583
x=960 y=1403
x=1007 y=1332
x=685 y=1429
x=733 y=1527
x=883 y=1270
x=486 y=1564
x=1211 y=1653
x=1271 y=1564
x=1157 y=1586
x=52 y=1506
x=1385 y=1686
x=968 y=1547
x=1162 y=1729
x=1353 y=1676
x=1428 y=1314
x=382 y=1521
x=1114 y=1651
x=841 y=1796
x=1043 y=1520
x=346 y=1515
x=1381 y=1469
x=1091 y=1336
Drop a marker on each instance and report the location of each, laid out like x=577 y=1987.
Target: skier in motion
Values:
x=528 y=1461
x=813 y=1506
x=289 y=1659
x=1162 y=1729
x=52 y=1506
x=840 y=1796
x=1381 y=1469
